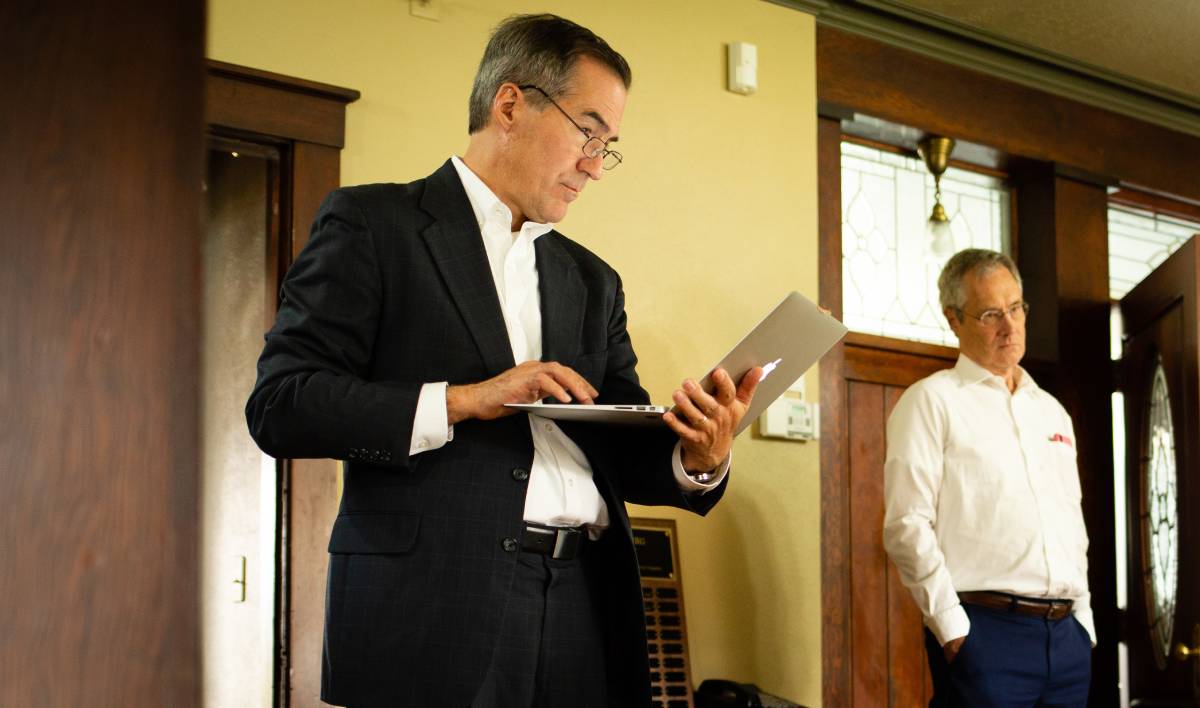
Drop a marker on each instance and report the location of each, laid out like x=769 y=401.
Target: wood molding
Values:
x=931 y=95
x=306 y=121
x=260 y=102
x=1188 y=211
x=968 y=48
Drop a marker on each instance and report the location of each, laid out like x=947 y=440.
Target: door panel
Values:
x=887 y=639
x=1163 y=529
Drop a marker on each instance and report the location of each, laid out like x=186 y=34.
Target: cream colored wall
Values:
x=711 y=219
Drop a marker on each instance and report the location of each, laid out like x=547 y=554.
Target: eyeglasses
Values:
x=594 y=147
x=993 y=318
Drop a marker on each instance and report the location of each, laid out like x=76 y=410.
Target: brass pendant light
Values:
x=935 y=151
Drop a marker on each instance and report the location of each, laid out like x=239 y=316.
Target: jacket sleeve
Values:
x=313 y=396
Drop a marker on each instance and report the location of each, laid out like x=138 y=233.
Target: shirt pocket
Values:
x=1061 y=462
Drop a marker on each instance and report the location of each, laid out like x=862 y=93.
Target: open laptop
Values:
x=785 y=344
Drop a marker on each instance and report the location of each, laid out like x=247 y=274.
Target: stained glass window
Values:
x=1160 y=542
x=1138 y=241
x=889 y=273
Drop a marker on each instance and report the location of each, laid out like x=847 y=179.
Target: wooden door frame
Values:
x=306 y=120
x=1062 y=156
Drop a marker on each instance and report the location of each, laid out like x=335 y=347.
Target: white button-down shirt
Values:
x=982 y=493
x=561 y=491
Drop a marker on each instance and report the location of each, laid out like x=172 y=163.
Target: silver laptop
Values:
x=785 y=344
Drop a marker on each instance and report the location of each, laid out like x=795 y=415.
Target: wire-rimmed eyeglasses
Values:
x=993 y=318
x=594 y=147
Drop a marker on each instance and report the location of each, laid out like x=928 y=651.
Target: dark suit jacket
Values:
x=394 y=290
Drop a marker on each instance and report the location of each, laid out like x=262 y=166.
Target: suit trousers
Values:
x=1013 y=660
x=551 y=648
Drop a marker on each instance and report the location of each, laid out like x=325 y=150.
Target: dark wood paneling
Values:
x=911 y=89
x=313 y=506
x=1065 y=268
x=317 y=171
x=100 y=178
x=909 y=683
x=868 y=592
x=254 y=101
x=888 y=367
x=835 y=497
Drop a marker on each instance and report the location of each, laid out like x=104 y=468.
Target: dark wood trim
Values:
x=247 y=75
x=906 y=152
x=836 y=656
x=266 y=104
x=305 y=121
x=1157 y=204
x=933 y=96
x=901 y=346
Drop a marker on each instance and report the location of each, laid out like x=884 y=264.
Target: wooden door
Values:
x=1162 y=391
x=885 y=646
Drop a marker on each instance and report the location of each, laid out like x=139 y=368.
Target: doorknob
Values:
x=1183 y=652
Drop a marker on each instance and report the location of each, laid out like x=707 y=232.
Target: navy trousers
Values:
x=1012 y=660
x=551 y=649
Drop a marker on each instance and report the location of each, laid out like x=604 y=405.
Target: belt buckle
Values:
x=557 y=543
x=566 y=544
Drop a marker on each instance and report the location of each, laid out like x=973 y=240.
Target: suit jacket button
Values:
x=509 y=545
x=520 y=474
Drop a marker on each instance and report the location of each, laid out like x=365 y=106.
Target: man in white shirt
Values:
x=482 y=558
x=983 y=518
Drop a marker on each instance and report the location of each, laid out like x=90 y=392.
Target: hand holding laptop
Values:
x=526 y=382
x=706 y=423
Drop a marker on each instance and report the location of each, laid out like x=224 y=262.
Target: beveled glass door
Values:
x=1162 y=387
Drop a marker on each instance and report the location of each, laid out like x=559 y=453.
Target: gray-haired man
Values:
x=983 y=515
x=482 y=558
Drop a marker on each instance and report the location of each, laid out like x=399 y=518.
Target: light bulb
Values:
x=941 y=239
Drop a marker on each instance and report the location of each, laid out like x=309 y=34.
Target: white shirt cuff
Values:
x=687 y=482
x=431 y=429
x=949 y=624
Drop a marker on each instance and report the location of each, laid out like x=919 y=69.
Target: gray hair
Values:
x=541 y=50
x=950 y=282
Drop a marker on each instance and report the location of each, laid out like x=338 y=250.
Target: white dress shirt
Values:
x=561 y=491
x=982 y=493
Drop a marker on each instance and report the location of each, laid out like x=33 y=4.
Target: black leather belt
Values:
x=1033 y=606
x=558 y=542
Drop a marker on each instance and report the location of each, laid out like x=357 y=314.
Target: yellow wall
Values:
x=711 y=219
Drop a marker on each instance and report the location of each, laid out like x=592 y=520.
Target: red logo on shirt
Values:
x=1059 y=437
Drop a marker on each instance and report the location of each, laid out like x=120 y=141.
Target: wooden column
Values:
x=99 y=307
x=1064 y=261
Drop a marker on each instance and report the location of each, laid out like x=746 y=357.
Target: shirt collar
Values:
x=969 y=373
x=487 y=206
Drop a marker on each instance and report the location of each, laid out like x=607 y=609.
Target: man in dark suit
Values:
x=481 y=558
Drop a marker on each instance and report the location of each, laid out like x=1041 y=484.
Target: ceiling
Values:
x=1151 y=47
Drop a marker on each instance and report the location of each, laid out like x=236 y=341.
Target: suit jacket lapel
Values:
x=563 y=297
x=458 y=252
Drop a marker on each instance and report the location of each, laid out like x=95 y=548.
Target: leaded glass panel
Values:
x=889 y=274
x=1160 y=515
x=1138 y=241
